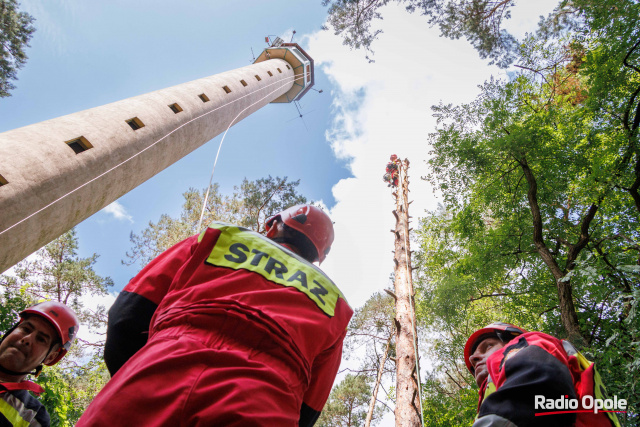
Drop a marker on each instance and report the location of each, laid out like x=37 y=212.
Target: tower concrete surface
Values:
x=56 y=173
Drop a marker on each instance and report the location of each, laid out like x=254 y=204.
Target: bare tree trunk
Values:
x=408 y=412
x=374 y=396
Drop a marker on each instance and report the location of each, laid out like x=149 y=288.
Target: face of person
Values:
x=478 y=359
x=26 y=347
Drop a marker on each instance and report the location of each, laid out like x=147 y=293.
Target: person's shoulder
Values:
x=536 y=337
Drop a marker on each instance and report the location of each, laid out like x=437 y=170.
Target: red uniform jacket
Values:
x=538 y=364
x=242 y=274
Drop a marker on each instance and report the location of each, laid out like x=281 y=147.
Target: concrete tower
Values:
x=56 y=173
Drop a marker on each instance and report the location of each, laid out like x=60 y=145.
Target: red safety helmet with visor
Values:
x=62 y=318
x=503 y=331
x=312 y=222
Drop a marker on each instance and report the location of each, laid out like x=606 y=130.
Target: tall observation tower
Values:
x=56 y=173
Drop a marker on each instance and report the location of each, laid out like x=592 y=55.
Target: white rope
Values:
x=152 y=145
x=206 y=197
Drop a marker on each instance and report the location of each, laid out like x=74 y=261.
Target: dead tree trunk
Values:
x=408 y=405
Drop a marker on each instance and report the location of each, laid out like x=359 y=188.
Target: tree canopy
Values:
x=250 y=204
x=539 y=177
x=16 y=30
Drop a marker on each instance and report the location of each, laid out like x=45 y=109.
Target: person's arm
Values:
x=522 y=371
x=131 y=313
x=323 y=373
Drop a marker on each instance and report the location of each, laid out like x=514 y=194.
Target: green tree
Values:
x=371 y=339
x=479 y=21
x=249 y=206
x=348 y=403
x=540 y=177
x=15 y=32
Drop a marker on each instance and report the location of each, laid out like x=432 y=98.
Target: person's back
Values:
x=259 y=326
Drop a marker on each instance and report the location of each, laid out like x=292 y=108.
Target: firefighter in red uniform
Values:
x=228 y=328
x=511 y=366
x=42 y=336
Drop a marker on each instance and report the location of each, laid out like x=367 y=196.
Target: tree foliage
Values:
x=348 y=403
x=540 y=176
x=479 y=21
x=371 y=342
x=248 y=206
x=16 y=30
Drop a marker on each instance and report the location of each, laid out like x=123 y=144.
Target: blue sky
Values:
x=85 y=54
x=88 y=53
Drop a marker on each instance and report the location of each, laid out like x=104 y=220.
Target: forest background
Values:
x=539 y=179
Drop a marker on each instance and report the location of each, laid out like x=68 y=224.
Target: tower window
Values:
x=243 y=83
x=258 y=77
x=175 y=108
x=279 y=70
x=203 y=97
x=3 y=181
x=269 y=72
x=78 y=145
x=288 y=68
x=135 y=123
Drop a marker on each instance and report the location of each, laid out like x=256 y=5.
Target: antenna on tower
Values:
x=294 y=33
x=300 y=115
x=275 y=42
x=253 y=55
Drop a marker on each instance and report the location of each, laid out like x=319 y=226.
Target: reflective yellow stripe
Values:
x=600 y=391
x=12 y=414
x=491 y=387
x=238 y=248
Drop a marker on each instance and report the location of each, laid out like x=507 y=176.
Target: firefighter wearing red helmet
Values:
x=228 y=328
x=43 y=335
x=515 y=369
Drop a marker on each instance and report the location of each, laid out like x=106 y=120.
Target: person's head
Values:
x=43 y=335
x=305 y=229
x=483 y=343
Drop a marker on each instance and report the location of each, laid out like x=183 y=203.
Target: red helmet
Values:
x=504 y=331
x=62 y=318
x=310 y=221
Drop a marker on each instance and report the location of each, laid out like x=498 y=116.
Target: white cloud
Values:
x=384 y=108
x=118 y=211
x=93 y=303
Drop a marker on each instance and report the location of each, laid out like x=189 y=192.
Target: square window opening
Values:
x=258 y=77
x=279 y=70
x=203 y=97
x=175 y=108
x=226 y=89
x=78 y=145
x=288 y=68
x=269 y=72
x=243 y=83
x=135 y=123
